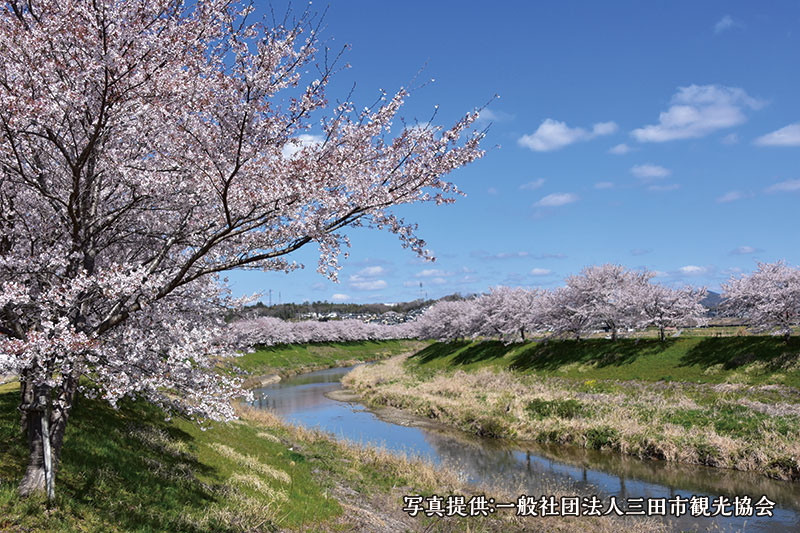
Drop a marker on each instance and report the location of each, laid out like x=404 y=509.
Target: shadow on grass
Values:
x=735 y=352
x=482 y=352
x=439 y=350
x=552 y=355
x=111 y=475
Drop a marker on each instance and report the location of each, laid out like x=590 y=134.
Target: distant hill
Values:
x=712 y=300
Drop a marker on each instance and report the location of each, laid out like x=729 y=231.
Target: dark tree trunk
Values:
x=34 y=411
x=662 y=334
x=613 y=334
x=26 y=399
x=787 y=336
x=56 y=410
x=522 y=333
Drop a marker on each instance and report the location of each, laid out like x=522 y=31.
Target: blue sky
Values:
x=658 y=135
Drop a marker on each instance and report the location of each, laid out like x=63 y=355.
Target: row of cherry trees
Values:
x=270 y=331
x=606 y=297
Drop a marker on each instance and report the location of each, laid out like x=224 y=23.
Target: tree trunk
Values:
x=34 y=479
x=613 y=334
x=522 y=333
x=788 y=335
x=662 y=334
x=40 y=429
x=26 y=399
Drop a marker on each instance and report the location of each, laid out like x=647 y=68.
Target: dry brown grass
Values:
x=251 y=463
x=636 y=415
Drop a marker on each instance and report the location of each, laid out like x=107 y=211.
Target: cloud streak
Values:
x=786 y=136
x=649 y=172
x=557 y=199
x=554 y=135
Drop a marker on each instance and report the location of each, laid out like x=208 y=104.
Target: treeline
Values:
x=289 y=311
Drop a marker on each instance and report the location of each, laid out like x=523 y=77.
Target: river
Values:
x=524 y=467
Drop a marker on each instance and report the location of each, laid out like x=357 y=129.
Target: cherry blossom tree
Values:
x=449 y=320
x=508 y=313
x=769 y=298
x=605 y=295
x=664 y=307
x=565 y=312
x=146 y=147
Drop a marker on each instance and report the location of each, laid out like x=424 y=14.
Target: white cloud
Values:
x=437 y=281
x=730 y=196
x=540 y=272
x=603 y=185
x=553 y=135
x=557 y=199
x=372 y=271
x=785 y=186
x=664 y=188
x=368 y=285
x=620 y=149
x=339 y=297
x=698 y=110
x=296 y=144
x=362 y=281
x=692 y=270
x=786 y=136
x=431 y=273
x=743 y=250
x=482 y=254
x=725 y=23
x=532 y=185
x=604 y=128
x=487 y=115
x=648 y=172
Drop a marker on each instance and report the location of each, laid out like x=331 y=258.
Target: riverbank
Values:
x=729 y=403
x=132 y=470
x=269 y=364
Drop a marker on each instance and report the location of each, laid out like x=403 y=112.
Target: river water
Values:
x=528 y=468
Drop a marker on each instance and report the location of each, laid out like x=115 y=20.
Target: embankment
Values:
x=723 y=402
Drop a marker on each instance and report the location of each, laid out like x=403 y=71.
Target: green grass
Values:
x=299 y=357
x=130 y=470
x=570 y=408
x=746 y=360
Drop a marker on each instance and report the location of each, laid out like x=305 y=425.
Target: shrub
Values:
x=570 y=408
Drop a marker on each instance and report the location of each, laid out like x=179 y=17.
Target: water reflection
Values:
x=527 y=467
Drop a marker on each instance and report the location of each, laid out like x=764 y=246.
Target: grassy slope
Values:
x=130 y=470
x=302 y=357
x=746 y=360
x=730 y=402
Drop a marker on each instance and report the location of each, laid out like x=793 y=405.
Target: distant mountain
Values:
x=712 y=300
